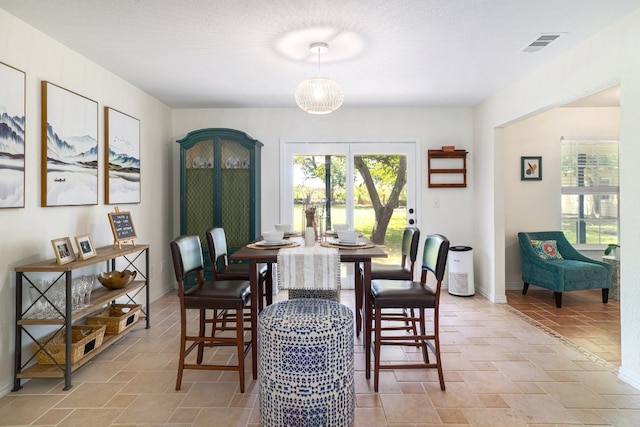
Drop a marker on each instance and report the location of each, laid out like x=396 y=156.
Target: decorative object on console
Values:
x=12 y=116
x=116 y=279
x=63 y=250
x=86 y=249
x=122 y=227
x=122 y=149
x=69 y=148
x=530 y=168
x=319 y=95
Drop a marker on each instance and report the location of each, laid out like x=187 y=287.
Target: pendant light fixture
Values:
x=319 y=95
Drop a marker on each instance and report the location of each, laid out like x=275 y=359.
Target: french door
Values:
x=342 y=179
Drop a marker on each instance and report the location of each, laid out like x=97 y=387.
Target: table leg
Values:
x=366 y=290
x=254 y=283
x=269 y=284
x=358 y=296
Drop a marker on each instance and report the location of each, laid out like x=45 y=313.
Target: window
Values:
x=590 y=190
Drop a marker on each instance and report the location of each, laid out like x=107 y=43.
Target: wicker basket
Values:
x=84 y=340
x=116 y=317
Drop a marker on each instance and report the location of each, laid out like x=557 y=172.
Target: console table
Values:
x=132 y=256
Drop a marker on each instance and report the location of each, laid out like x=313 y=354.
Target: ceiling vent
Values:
x=542 y=41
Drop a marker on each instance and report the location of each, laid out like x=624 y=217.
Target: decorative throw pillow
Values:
x=546 y=249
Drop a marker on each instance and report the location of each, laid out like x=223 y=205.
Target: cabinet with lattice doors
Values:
x=220 y=186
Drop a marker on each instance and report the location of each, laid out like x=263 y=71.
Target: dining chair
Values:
x=223 y=270
x=234 y=295
x=402 y=271
x=416 y=295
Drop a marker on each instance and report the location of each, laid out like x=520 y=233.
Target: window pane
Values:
x=590 y=189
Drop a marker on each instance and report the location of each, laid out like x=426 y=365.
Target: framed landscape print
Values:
x=12 y=120
x=531 y=168
x=69 y=148
x=122 y=151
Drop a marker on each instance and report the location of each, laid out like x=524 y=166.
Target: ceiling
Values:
x=253 y=53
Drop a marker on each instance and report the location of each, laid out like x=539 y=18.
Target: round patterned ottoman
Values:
x=305 y=364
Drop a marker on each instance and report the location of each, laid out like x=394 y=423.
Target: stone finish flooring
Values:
x=501 y=369
x=583 y=319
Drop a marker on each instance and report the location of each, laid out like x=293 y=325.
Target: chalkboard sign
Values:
x=122 y=227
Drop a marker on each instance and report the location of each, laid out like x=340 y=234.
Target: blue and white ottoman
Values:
x=305 y=364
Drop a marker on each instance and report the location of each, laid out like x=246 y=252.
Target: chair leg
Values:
x=202 y=331
x=525 y=288
x=558 y=296
x=240 y=346
x=436 y=344
x=183 y=343
x=605 y=295
x=377 y=348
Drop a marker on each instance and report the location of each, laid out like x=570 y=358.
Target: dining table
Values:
x=361 y=256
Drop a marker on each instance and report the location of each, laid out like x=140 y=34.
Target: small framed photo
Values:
x=86 y=249
x=63 y=250
x=530 y=168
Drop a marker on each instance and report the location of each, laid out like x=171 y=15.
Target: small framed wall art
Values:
x=63 y=250
x=86 y=249
x=531 y=168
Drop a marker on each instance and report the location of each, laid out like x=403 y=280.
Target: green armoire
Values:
x=220 y=186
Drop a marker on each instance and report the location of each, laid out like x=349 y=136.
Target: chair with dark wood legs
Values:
x=231 y=295
x=223 y=270
x=402 y=271
x=411 y=295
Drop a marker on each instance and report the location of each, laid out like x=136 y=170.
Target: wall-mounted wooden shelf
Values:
x=447 y=168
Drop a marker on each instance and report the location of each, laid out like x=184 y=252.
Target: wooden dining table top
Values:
x=267 y=254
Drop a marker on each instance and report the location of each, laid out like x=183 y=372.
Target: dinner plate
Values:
x=343 y=243
x=265 y=243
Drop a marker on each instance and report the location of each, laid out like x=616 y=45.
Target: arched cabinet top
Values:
x=196 y=136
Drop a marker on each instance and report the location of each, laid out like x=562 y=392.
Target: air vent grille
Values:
x=542 y=41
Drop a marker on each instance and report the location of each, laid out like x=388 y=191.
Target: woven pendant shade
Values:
x=319 y=95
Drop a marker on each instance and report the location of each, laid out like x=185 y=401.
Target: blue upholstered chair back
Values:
x=434 y=256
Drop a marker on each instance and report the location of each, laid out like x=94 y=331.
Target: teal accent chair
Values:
x=572 y=273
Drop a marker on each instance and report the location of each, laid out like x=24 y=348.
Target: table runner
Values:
x=309 y=267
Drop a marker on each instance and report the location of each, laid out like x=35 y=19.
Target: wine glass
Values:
x=87 y=288
x=38 y=301
x=76 y=286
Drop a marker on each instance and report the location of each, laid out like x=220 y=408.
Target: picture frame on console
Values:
x=86 y=249
x=63 y=250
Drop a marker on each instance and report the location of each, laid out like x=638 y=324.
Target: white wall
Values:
x=434 y=127
x=27 y=232
x=535 y=205
x=608 y=58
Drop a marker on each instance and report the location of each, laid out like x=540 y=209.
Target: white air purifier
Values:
x=461 y=281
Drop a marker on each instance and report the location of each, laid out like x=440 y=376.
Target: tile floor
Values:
x=501 y=369
x=583 y=319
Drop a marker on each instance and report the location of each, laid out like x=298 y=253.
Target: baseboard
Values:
x=629 y=378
